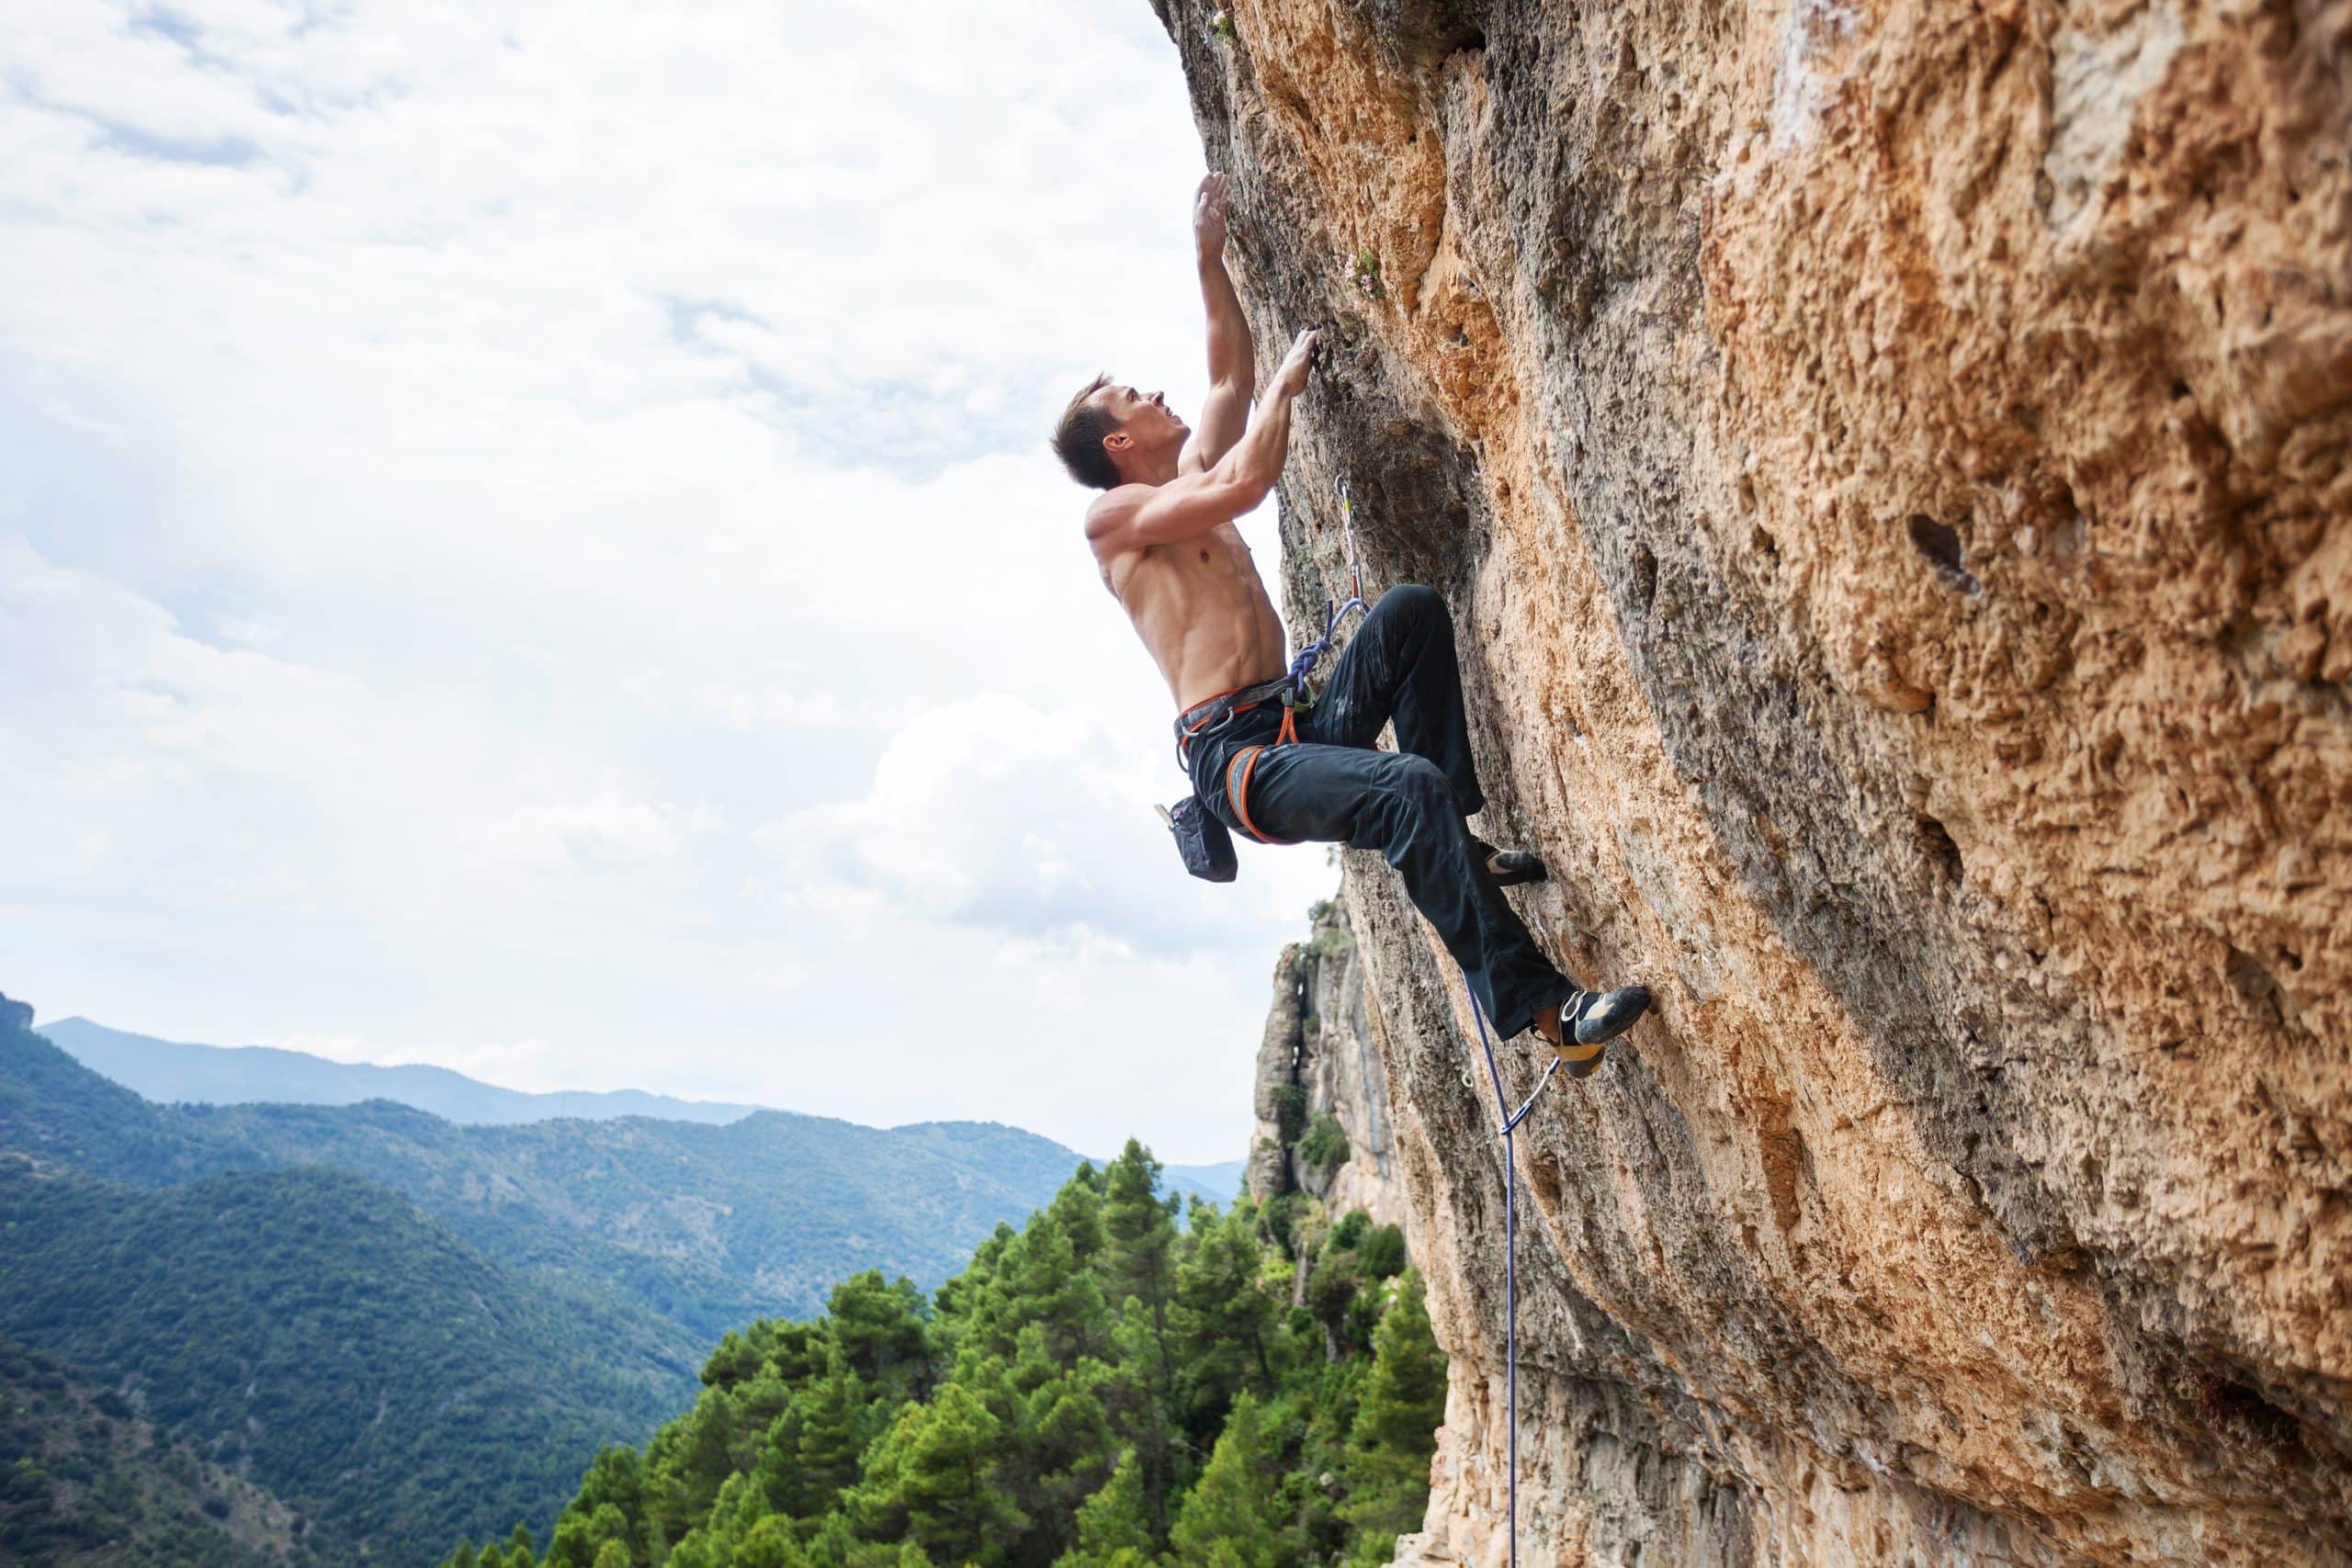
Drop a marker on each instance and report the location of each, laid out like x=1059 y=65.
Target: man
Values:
x=1164 y=538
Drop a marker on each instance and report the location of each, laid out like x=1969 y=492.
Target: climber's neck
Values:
x=1148 y=467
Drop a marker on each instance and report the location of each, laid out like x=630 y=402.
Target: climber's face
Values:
x=1147 y=428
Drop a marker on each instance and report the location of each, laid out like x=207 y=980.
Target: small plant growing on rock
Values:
x=1367 y=273
x=1222 y=25
x=1349 y=1232
x=1382 y=1252
x=1278 y=1221
x=1290 y=1112
x=1323 y=1146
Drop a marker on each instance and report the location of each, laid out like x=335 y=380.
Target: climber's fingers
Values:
x=1292 y=376
x=1208 y=212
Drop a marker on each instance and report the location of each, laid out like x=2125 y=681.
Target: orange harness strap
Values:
x=1238 y=791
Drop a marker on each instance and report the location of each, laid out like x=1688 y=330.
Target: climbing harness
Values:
x=1197 y=832
x=1510 y=1121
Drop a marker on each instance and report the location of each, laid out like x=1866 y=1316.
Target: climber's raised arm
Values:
x=1133 y=516
x=1232 y=357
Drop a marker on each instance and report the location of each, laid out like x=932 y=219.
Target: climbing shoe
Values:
x=1589 y=1019
x=1508 y=867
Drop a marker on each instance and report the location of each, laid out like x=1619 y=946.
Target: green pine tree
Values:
x=880 y=1328
x=770 y=1543
x=830 y=1441
x=1221 y=1323
x=1139 y=1278
x=932 y=1479
x=1233 y=1518
x=1078 y=1210
x=1403 y=1400
x=1113 y=1530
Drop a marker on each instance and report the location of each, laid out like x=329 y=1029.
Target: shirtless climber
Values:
x=1164 y=539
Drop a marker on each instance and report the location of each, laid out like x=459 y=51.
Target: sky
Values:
x=526 y=542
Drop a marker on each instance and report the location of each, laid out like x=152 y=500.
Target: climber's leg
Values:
x=1403 y=805
x=1401 y=665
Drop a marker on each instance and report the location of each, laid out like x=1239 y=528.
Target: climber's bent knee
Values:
x=1414 y=605
x=1413 y=599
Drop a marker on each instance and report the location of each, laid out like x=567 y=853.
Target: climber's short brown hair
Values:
x=1077 y=439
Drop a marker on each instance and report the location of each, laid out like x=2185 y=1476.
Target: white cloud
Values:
x=604 y=830
x=1025 y=821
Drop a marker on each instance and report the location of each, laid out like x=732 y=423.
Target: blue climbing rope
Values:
x=1333 y=614
x=1510 y=1120
x=1300 y=667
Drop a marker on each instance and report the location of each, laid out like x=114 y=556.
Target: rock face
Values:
x=1320 y=1060
x=1888 y=467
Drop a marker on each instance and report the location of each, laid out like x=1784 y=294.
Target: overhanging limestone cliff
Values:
x=1888 y=466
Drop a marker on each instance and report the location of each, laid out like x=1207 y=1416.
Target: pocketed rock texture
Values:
x=1319 y=1059
x=1888 y=468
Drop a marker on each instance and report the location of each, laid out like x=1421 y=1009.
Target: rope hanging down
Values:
x=1510 y=1121
x=1296 y=696
x=1300 y=669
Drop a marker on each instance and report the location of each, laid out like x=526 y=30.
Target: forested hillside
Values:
x=435 y=1335
x=1100 y=1389
x=86 y=1483
x=312 y=1331
x=702 y=1227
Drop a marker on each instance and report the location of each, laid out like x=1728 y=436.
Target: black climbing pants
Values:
x=1331 y=784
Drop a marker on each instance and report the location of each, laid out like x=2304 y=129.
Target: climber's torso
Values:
x=1200 y=607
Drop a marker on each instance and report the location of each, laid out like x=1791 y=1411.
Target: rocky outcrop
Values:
x=1888 y=467
x=1321 y=1094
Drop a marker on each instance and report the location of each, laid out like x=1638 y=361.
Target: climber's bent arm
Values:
x=1134 y=516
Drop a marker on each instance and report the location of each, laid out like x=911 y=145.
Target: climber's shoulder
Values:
x=1120 y=519
x=1110 y=513
x=1138 y=515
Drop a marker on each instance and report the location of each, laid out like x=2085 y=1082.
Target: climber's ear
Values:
x=1118 y=441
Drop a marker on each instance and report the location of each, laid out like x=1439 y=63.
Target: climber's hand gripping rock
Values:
x=1290 y=381
x=1208 y=217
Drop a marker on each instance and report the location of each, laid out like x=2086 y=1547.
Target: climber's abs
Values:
x=1200 y=607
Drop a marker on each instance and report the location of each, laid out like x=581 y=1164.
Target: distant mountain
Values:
x=712 y=1225
x=85 y=1482
x=172 y=1073
x=695 y=1227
